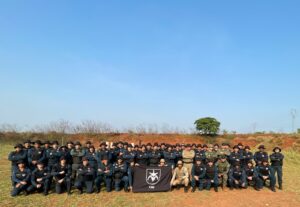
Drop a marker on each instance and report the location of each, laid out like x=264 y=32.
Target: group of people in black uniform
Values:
x=38 y=166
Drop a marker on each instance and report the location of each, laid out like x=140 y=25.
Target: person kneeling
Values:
x=85 y=176
x=62 y=175
x=21 y=179
x=237 y=177
x=211 y=175
x=180 y=176
x=40 y=179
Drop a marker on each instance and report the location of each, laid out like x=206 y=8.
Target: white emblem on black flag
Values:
x=153 y=176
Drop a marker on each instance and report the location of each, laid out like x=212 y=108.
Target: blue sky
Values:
x=152 y=62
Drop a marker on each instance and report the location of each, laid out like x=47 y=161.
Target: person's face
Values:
x=210 y=163
x=70 y=146
x=179 y=165
x=265 y=163
x=46 y=145
x=188 y=148
x=102 y=147
x=236 y=149
x=92 y=149
x=223 y=160
x=55 y=146
x=216 y=147
x=104 y=162
x=26 y=145
x=40 y=167
x=198 y=162
x=249 y=165
x=21 y=165
x=37 y=145
x=169 y=149
x=85 y=162
x=247 y=150
x=261 y=149
x=129 y=149
x=143 y=149
x=162 y=162
x=120 y=161
x=77 y=146
x=210 y=149
x=63 y=162
x=18 y=149
x=277 y=150
x=155 y=148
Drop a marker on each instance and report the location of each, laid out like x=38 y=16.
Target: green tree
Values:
x=208 y=126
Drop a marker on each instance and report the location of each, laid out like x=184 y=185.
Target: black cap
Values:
x=47 y=142
x=265 y=160
x=198 y=159
x=247 y=147
x=27 y=141
x=88 y=142
x=85 y=158
x=187 y=145
x=103 y=144
x=277 y=148
x=261 y=147
x=235 y=147
x=69 y=142
x=38 y=142
x=77 y=143
x=62 y=158
x=18 y=145
x=40 y=163
x=205 y=145
x=20 y=162
x=55 y=142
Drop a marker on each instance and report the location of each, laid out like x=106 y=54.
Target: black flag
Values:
x=151 y=179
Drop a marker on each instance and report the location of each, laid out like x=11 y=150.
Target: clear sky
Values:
x=154 y=62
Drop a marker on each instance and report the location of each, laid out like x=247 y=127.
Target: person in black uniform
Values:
x=142 y=157
x=251 y=174
x=276 y=163
x=62 y=176
x=247 y=156
x=170 y=156
x=260 y=155
x=40 y=179
x=104 y=174
x=265 y=172
x=235 y=156
x=211 y=175
x=85 y=177
x=237 y=177
x=198 y=174
x=36 y=154
x=77 y=154
x=120 y=174
x=154 y=156
x=21 y=178
x=17 y=155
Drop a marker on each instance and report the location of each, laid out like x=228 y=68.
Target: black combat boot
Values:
x=216 y=189
x=280 y=186
x=273 y=189
x=186 y=189
x=177 y=187
x=193 y=189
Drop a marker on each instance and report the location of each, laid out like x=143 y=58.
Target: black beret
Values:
x=27 y=141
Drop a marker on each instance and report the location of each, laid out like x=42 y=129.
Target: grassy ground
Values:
x=289 y=197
